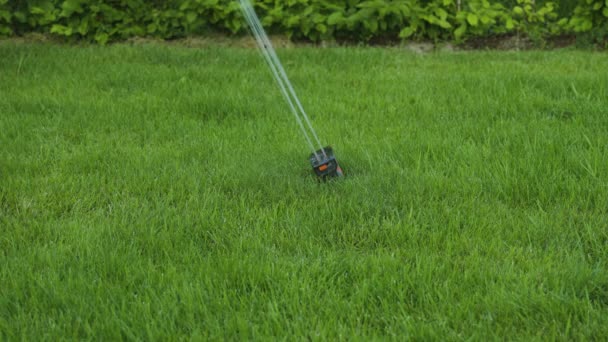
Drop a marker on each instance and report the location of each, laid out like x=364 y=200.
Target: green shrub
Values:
x=535 y=20
x=589 y=14
x=482 y=18
x=356 y=20
x=590 y=21
x=5 y=19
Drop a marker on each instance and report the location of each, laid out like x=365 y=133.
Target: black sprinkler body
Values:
x=324 y=163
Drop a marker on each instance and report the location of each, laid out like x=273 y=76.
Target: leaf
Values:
x=102 y=38
x=472 y=19
x=151 y=28
x=191 y=17
x=407 y=32
x=431 y=19
x=371 y=4
x=518 y=10
x=184 y=6
x=335 y=18
x=6 y=15
x=371 y=24
x=486 y=19
x=83 y=28
x=460 y=31
x=441 y=13
x=293 y=21
x=318 y=18
x=444 y=24
x=6 y=31
x=605 y=11
x=509 y=24
x=61 y=30
x=69 y=7
x=583 y=25
x=36 y=10
x=236 y=25
x=20 y=16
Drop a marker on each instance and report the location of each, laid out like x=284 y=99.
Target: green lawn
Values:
x=161 y=192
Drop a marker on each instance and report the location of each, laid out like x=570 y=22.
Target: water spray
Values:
x=322 y=160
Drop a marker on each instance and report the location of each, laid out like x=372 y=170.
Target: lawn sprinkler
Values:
x=323 y=161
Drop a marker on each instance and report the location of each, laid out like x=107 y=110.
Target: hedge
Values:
x=315 y=20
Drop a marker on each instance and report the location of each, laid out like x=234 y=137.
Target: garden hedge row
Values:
x=315 y=20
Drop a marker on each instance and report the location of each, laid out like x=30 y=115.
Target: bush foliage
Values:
x=358 y=20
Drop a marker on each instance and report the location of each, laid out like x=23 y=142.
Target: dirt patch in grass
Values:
x=503 y=42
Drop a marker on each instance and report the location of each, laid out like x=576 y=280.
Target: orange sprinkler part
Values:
x=324 y=163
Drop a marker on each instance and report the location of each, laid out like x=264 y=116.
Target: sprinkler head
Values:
x=324 y=163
